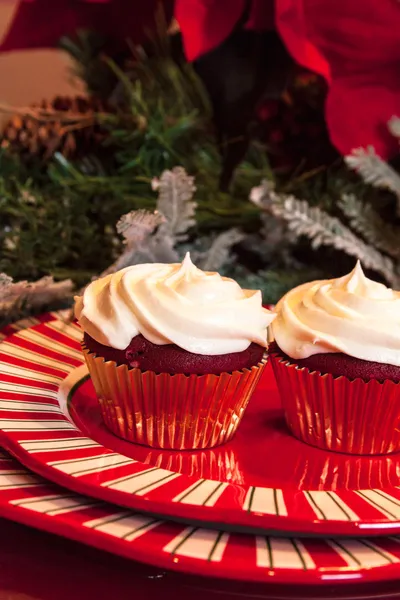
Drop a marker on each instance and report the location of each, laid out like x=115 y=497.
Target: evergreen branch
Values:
x=218 y=254
x=87 y=50
x=367 y=222
x=375 y=171
x=324 y=230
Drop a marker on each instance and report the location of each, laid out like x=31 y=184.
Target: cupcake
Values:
x=174 y=352
x=336 y=358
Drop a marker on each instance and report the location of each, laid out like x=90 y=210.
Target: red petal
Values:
x=355 y=45
x=358 y=109
x=205 y=24
x=294 y=29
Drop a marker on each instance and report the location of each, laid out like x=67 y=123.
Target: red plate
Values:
x=263 y=480
x=32 y=500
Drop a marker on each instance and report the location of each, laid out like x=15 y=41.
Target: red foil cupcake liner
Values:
x=179 y=412
x=339 y=414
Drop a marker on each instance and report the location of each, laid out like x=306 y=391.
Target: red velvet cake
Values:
x=342 y=365
x=174 y=353
x=142 y=354
x=336 y=359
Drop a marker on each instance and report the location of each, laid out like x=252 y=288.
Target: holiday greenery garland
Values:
x=150 y=145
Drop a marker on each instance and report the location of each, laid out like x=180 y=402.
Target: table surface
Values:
x=38 y=566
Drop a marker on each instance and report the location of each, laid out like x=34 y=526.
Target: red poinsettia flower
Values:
x=354 y=44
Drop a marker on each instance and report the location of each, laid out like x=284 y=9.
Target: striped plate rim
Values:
x=41 y=356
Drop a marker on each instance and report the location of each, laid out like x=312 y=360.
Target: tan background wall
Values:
x=30 y=76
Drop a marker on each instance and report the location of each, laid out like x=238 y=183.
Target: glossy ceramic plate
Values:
x=30 y=499
x=261 y=481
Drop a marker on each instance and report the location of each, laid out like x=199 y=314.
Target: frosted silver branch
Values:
x=175 y=201
x=136 y=228
x=394 y=127
x=33 y=295
x=375 y=171
x=365 y=220
x=324 y=230
x=220 y=249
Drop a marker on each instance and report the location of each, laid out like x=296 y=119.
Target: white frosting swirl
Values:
x=199 y=311
x=352 y=314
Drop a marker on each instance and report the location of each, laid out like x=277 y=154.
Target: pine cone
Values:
x=67 y=125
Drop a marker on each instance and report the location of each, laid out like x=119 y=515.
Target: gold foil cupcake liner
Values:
x=339 y=414
x=180 y=412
